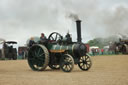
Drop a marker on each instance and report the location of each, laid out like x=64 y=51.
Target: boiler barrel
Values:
x=75 y=50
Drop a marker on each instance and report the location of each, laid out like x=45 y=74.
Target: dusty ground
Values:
x=106 y=70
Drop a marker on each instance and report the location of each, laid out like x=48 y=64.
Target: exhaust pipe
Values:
x=78 y=26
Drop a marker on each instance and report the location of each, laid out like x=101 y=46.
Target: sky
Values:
x=22 y=19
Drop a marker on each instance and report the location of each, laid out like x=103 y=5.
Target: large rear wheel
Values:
x=38 y=57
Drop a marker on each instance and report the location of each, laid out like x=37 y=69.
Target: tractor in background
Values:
x=8 y=51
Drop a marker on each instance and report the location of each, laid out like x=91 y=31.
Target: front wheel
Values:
x=85 y=63
x=66 y=63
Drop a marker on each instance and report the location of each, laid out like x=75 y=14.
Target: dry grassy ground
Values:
x=106 y=70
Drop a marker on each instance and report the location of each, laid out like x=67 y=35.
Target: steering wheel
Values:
x=54 y=37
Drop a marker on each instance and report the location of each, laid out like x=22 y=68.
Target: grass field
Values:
x=106 y=70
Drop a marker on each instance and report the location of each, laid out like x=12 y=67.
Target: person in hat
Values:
x=43 y=38
x=68 y=37
x=31 y=42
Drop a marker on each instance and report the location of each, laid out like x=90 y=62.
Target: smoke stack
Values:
x=78 y=26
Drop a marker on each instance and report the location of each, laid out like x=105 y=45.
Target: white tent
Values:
x=94 y=47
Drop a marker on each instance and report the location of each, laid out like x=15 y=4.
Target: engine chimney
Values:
x=78 y=26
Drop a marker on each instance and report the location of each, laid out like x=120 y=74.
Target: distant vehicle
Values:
x=122 y=46
x=8 y=51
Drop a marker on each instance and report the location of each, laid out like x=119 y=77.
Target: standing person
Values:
x=93 y=52
x=69 y=38
x=31 y=42
x=102 y=51
x=43 y=39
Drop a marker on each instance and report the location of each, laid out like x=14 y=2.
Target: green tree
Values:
x=101 y=42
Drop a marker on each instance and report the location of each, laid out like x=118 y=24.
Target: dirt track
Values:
x=106 y=70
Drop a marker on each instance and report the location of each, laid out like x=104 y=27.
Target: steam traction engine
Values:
x=122 y=46
x=8 y=51
x=60 y=53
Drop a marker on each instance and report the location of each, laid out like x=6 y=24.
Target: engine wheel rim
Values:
x=67 y=63
x=37 y=58
x=85 y=63
x=55 y=67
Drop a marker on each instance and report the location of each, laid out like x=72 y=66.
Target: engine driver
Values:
x=69 y=38
x=43 y=39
